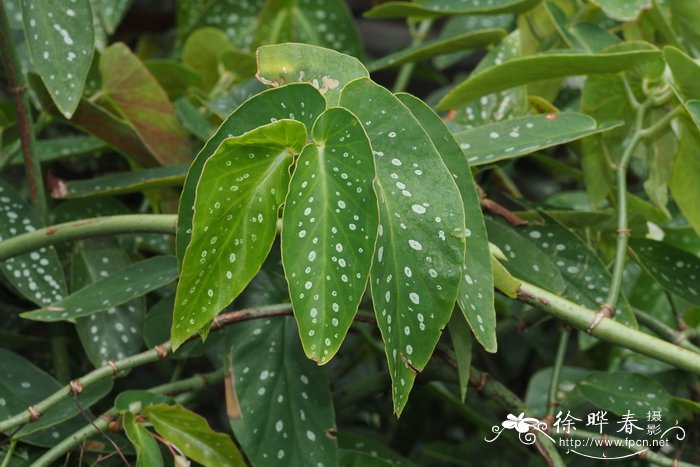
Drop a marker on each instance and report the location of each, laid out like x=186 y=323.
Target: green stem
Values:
x=667 y=332
x=115 y=367
x=8 y=455
x=406 y=70
x=97 y=226
x=556 y=370
x=101 y=423
x=59 y=353
x=608 y=330
x=18 y=87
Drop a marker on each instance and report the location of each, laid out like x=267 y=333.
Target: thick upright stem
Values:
x=18 y=88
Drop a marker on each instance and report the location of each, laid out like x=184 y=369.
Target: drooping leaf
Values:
x=686 y=167
x=235 y=216
x=193 y=436
x=300 y=102
x=327 y=70
x=469 y=40
x=22 y=384
x=38 y=275
x=112 y=12
x=524 y=135
x=435 y=8
x=147 y=450
x=329 y=229
x=623 y=11
x=543 y=67
x=116 y=289
x=475 y=295
x=141 y=101
x=621 y=392
x=120 y=183
x=117 y=333
x=61 y=42
x=287 y=411
x=420 y=247
x=53 y=149
x=462 y=345
x=525 y=260
x=678 y=271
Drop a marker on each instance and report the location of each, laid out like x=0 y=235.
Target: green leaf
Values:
x=685 y=72
x=37 y=276
x=328 y=24
x=686 y=167
x=147 y=450
x=134 y=400
x=137 y=96
x=120 y=182
x=678 y=271
x=469 y=40
x=22 y=384
x=420 y=248
x=587 y=37
x=117 y=333
x=121 y=287
x=327 y=70
x=370 y=445
x=53 y=149
x=176 y=78
x=524 y=135
x=112 y=12
x=300 y=102
x=435 y=8
x=475 y=295
x=237 y=19
x=286 y=406
x=525 y=260
x=192 y=435
x=536 y=396
x=203 y=52
x=239 y=193
x=329 y=229
x=542 y=67
x=622 y=392
x=462 y=345
x=628 y=10
x=685 y=15
x=61 y=42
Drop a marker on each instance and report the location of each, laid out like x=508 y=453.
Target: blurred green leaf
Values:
x=147 y=450
x=628 y=10
x=622 y=392
x=462 y=345
x=133 y=401
x=435 y=8
x=120 y=183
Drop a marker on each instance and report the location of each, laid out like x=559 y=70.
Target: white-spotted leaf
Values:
x=476 y=297
x=38 y=275
x=61 y=42
x=328 y=231
x=116 y=289
x=622 y=392
x=120 y=183
x=239 y=194
x=300 y=102
x=420 y=246
x=326 y=69
x=287 y=414
x=524 y=135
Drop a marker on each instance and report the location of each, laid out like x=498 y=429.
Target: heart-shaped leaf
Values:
x=116 y=289
x=678 y=271
x=192 y=435
x=147 y=450
x=300 y=102
x=622 y=392
x=328 y=231
x=327 y=70
x=120 y=183
x=541 y=67
x=286 y=406
x=435 y=8
x=235 y=217
x=475 y=296
x=420 y=246
x=37 y=276
x=61 y=42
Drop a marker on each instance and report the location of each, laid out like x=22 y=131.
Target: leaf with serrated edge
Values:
x=326 y=69
x=147 y=450
x=678 y=271
x=287 y=411
x=475 y=296
x=61 y=42
x=37 y=276
x=300 y=102
x=235 y=217
x=328 y=231
x=191 y=434
x=524 y=135
x=542 y=67
x=131 y=282
x=435 y=8
x=420 y=245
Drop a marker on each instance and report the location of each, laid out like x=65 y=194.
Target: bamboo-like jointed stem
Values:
x=19 y=89
x=86 y=228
